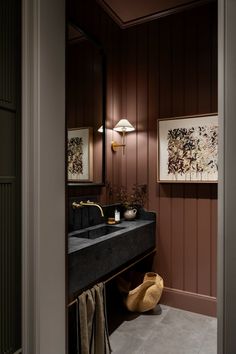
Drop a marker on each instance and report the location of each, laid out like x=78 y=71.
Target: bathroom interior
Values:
x=152 y=63
x=146 y=62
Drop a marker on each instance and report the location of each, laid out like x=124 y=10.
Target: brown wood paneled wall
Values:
x=164 y=68
x=170 y=69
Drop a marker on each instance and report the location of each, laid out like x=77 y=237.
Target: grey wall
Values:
x=227 y=190
x=43 y=184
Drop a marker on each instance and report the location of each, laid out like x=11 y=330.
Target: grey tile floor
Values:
x=166 y=331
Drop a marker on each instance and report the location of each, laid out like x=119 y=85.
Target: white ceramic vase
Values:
x=130 y=214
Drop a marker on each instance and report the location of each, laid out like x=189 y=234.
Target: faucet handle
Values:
x=76 y=205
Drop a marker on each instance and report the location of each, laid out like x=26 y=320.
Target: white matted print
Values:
x=80 y=155
x=188 y=149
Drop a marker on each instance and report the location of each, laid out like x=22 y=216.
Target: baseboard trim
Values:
x=185 y=300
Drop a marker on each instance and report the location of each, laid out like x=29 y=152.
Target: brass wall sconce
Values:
x=123 y=126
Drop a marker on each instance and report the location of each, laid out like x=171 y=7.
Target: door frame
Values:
x=226 y=294
x=43 y=289
x=43 y=177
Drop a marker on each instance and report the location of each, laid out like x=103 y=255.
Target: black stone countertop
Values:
x=76 y=243
x=90 y=260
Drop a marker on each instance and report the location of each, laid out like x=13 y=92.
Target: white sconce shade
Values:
x=124 y=126
x=100 y=130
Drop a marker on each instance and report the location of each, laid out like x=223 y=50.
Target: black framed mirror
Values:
x=85 y=108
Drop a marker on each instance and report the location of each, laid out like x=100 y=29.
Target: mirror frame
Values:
x=99 y=46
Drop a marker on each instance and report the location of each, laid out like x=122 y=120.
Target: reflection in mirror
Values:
x=85 y=113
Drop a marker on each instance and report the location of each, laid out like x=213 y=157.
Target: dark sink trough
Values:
x=96 y=231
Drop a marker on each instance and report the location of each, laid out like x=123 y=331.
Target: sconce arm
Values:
x=115 y=145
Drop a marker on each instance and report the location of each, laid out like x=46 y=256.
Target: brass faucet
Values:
x=88 y=203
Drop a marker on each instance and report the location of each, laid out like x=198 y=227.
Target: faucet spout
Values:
x=88 y=203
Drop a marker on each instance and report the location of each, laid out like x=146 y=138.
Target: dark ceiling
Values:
x=129 y=12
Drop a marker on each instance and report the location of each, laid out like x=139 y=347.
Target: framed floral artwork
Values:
x=80 y=155
x=188 y=149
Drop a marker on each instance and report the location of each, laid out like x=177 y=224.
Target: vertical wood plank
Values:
x=164 y=260
x=124 y=60
x=131 y=138
x=165 y=67
x=107 y=38
x=177 y=236
x=190 y=63
x=190 y=238
x=178 y=65
x=117 y=104
x=204 y=62
x=153 y=115
x=214 y=59
x=142 y=86
x=204 y=239
x=165 y=110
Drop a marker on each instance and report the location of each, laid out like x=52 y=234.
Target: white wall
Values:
x=43 y=150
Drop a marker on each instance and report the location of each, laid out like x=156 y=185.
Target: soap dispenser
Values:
x=117 y=215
